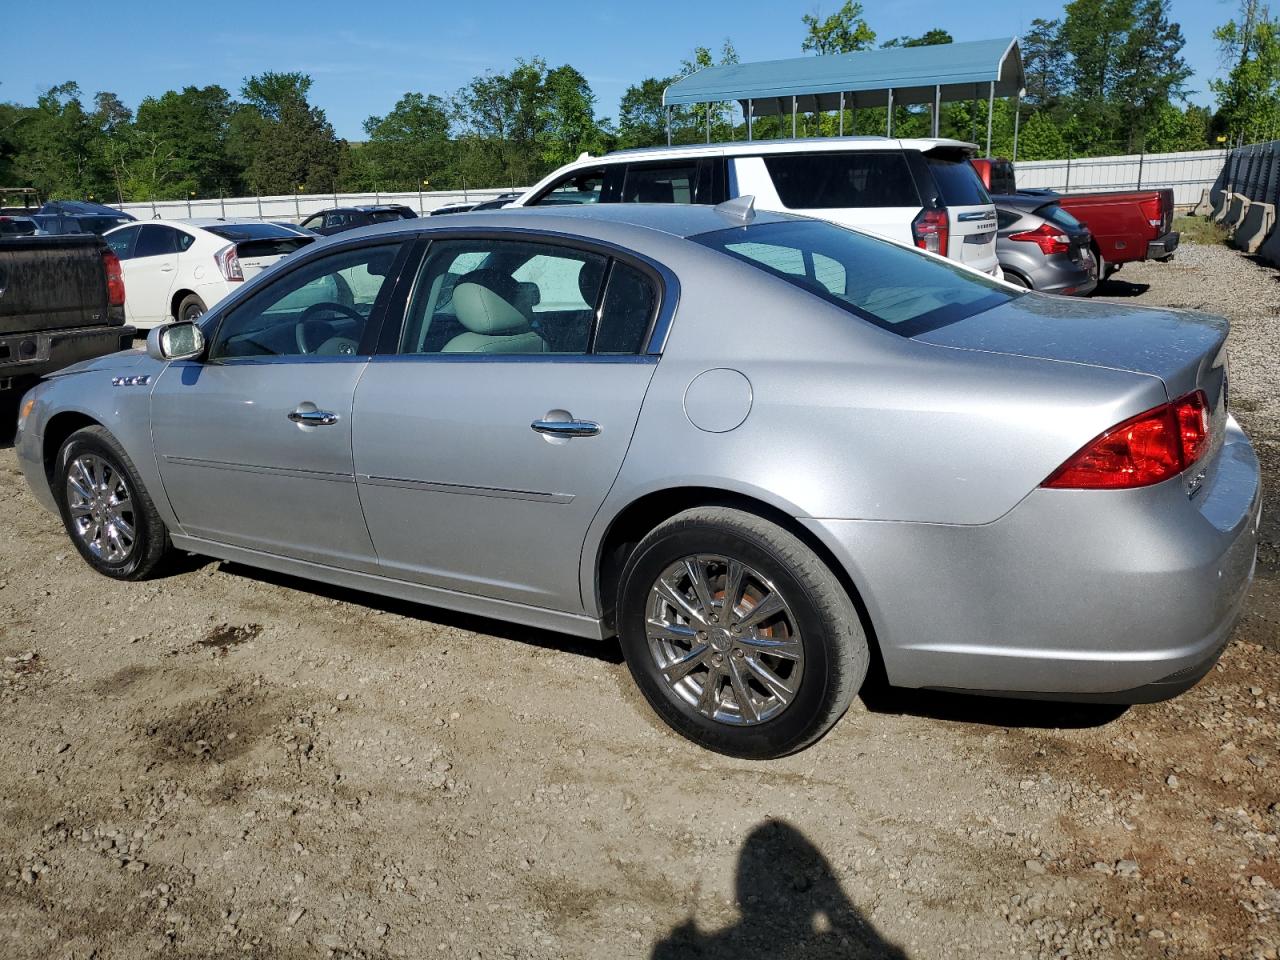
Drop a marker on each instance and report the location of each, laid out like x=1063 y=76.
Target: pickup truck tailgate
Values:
x=51 y=283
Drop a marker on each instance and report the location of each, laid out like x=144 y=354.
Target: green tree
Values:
x=294 y=146
x=408 y=145
x=1045 y=62
x=1249 y=96
x=843 y=32
x=641 y=117
x=181 y=138
x=60 y=148
x=930 y=38
x=1040 y=139
x=500 y=116
x=568 y=122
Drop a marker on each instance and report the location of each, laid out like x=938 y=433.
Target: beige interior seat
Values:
x=493 y=325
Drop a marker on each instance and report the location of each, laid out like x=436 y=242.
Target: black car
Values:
x=79 y=216
x=339 y=219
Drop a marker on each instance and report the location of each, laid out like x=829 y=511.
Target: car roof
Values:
x=606 y=221
x=800 y=145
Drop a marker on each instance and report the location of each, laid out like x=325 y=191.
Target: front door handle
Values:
x=313 y=418
x=167 y=268
x=566 y=428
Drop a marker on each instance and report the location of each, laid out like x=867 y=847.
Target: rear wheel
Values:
x=192 y=308
x=738 y=635
x=1016 y=280
x=105 y=508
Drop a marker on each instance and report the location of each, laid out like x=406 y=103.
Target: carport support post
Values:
x=708 y=122
x=668 y=112
x=937 y=108
x=888 y=116
x=793 y=118
x=750 y=110
x=842 y=114
x=991 y=107
x=1017 y=115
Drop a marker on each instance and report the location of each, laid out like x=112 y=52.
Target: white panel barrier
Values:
x=293 y=209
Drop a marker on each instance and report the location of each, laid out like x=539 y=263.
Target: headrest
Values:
x=655 y=191
x=481 y=310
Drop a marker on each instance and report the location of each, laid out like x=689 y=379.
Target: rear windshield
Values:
x=894 y=287
x=251 y=231
x=386 y=216
x=816 y=181
x=957 y=181
x=1055 y=214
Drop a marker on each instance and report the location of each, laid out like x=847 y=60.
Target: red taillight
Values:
x=229 y=263
x=932 y=231
x=1145 y=449
x=115 y=278
x=1047 y=237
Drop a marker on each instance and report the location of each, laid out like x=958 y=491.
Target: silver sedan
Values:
x=759 y=449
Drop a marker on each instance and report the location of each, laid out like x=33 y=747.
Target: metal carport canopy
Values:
x=949 y=71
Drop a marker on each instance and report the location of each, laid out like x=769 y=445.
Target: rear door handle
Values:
x=314 y=418
x=566 y=428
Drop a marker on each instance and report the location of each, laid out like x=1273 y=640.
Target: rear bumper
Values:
x=35 y=354
x=1117 y=596
x=1164 y=248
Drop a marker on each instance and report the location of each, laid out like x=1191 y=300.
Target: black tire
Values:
x=1016 y=280
x=191 y=308
x=835 y=649
x=150 y=537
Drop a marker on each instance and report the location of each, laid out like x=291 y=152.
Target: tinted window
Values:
x=895 y=288
x=629 y=303
x=958 y=182
x=17 y=226
x=1002 y=179
x=1055 y=214
x=385 y=216
x=155 y=241
x=584 y=186
x=312 y=222
x=121 y=242
x=660 y=183
x=251 y=231
x=1006 y=219
x=185 y=240
x=503 y=297
x=100 y=225
x=816 y=181
x=321 y=308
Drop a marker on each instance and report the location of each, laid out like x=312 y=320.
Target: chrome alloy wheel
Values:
x=724 y=639
x=101 y=508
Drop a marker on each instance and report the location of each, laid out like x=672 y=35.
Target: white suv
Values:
x=920 y=192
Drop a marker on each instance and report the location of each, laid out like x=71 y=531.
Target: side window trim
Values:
x=396 y=316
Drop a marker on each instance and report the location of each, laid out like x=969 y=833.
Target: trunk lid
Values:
x=256 y=255
x=1184 y=349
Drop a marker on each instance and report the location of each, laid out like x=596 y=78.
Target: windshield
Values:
x=251 y=231
x=893 y=287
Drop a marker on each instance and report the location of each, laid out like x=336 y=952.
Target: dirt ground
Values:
x=228 y=763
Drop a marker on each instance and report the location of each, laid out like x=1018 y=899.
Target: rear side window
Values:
x=817 y=181
x=122 y=242
x=1055 y=214
x=155 y=241
x=1006 y=219
x=660 y=183
x=1002 y=178
x=898 y=289
x=958 y=182
x=629 y=302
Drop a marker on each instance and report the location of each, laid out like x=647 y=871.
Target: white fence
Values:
x=1189 y=174
x=295 y=208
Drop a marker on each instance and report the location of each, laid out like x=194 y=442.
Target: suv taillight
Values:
x=1143 y=450
x=1047 y=237
x=932 y=230
x=229 y=263
x=115 y=278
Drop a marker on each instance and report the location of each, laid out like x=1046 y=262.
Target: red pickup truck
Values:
x=1127 y=225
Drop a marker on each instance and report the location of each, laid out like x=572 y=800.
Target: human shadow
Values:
x=1113 y=287
x=791 y=904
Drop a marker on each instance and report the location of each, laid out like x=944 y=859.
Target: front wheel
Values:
x=738 y=635
x=191 y=309
x=107 y=512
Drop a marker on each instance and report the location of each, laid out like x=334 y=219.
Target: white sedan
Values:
x=180 y=268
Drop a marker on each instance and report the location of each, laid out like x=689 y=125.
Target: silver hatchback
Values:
x=759 y=449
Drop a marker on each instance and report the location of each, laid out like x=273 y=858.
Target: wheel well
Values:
x=176 y=301
x=56 y=432
x=633 y=523
x=1020 y=275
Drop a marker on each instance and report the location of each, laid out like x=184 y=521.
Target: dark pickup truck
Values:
x=1127 y=225
x=61 y=301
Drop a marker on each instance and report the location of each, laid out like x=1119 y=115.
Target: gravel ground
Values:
x=229 y=763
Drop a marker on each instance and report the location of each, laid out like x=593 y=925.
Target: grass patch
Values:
x=1200 y=230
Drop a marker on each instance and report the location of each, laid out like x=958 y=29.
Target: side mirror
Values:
x=175 y=341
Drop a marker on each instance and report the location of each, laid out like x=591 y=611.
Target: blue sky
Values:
x=364 y=54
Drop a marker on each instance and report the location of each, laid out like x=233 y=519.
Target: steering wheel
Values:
x=317 y=336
